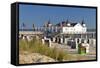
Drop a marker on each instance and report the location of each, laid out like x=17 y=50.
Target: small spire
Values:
x=83 y=21
x=23 y=24
x=49 y=21
x=67 y=21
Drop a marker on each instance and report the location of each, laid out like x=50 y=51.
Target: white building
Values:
x=74 y=28
x=66 y=27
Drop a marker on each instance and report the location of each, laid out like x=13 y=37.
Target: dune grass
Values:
x=36 y=46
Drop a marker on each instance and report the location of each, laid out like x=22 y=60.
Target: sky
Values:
x=38 y=15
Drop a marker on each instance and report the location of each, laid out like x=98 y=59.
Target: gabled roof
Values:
x=65 y=24
x=73 y=24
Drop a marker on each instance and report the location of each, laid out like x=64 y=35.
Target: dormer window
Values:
x=68 y=24
x=84 y=25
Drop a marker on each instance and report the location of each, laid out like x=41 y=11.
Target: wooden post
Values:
x=94 y=42
x=23 y=37
x=49 y=43
x=61 y=40
x=66 y=40
x=54 y=39
x=79 y=40
x=76 y=39
x=43 y=41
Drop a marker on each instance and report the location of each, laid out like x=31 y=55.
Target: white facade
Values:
x=76 y=29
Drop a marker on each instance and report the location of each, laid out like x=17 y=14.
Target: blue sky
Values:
x=39 y=15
